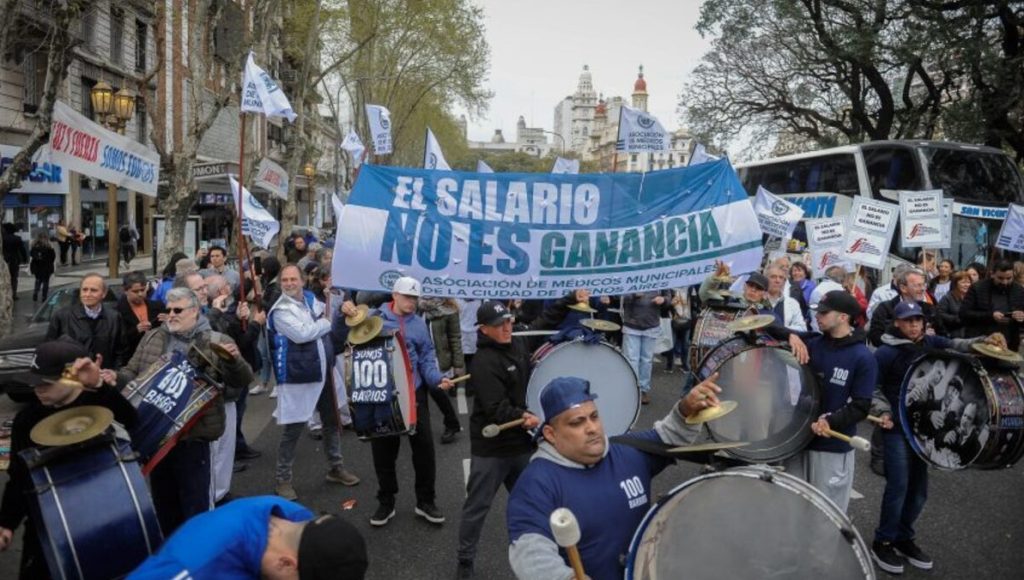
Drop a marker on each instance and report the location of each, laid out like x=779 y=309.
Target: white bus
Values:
x=982 y=181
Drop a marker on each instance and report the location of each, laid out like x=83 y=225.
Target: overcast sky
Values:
x=539 y=47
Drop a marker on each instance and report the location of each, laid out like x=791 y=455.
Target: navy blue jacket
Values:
x=295 y=362
x=894 y=358
x=847 y=375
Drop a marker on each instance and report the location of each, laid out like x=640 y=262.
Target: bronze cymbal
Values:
x=711 y=413
x=997 y=352
x=358 y=317
x=72 y=425
x=219 y=350
x=748 y=323
x=710 y=446
x=600 y=325
x=366 y=330
x=582 y=307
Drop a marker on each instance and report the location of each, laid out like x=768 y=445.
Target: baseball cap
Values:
x=407 y=286
x=492 y=313
x=329 y=548
x=908 y=310
x=839 y=301
x=758 y=279
x=562 y=394
x=49 y=360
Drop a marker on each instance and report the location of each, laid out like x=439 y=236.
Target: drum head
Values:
x=404 y=382
x=777 y=398
x=944 y=409
x=747 y=522
x=611 y=379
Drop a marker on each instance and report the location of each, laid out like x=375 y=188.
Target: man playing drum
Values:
x=906 y=474
x=52 y=395
x=607 y=486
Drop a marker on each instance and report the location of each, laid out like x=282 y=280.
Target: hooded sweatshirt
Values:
x=501 y=373
x=847 y=374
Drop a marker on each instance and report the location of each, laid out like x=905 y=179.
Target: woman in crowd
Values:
x=942 y=283
x=43 y=259
x=976 y=271
x=167 y=277
x=800 y=277
x=949 y=306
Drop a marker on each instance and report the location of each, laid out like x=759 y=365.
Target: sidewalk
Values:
x=66 y=275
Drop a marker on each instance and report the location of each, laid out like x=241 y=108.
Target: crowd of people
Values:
x=283 y=325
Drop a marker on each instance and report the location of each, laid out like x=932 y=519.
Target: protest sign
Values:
x=869 y=230
x=825 y=240
x=777 y=216
x=920 y=218
x=1011 y=235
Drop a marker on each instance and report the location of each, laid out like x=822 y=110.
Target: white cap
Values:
x=407 y=286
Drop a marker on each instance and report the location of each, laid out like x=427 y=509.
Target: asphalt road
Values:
x=973 y=524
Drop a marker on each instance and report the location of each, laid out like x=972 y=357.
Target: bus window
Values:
x=828 y=173
x=891 y=168
x=974 y=175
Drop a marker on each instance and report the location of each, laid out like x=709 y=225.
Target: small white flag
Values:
x=379 y=119
x=338 y=209
x=354 y=146
x=700 y=155
x=260 y=94
x=563 y=165
x=257 y=223
x=483 y=167
x=433 y=158
x=640 y=131
x=777 y=216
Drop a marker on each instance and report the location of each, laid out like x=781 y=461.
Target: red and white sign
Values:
x=273 y=178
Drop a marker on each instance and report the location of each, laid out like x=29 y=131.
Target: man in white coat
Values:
x=785 y=308
x=297 y=331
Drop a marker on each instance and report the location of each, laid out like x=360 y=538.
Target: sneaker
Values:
x=273 y=392
x=449 y=434
x=916 y=556
x=342 y=476
x=645 y=399
x=257 y=389
x=887 y=557
x=383 y=515
x=429 y=512
x=464 y=571
x=284 y=489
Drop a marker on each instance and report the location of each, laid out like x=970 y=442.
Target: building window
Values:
x=88 y=28
x=87 y=85
x=141 y=34
x=140 y=121
x=632 y=158
x=116 y=34
x=34 y=79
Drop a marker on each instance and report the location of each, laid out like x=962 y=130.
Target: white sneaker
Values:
x=273 y=392
x=257 y=389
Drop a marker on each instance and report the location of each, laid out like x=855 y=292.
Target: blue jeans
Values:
x=639 y=351
x=906 y=489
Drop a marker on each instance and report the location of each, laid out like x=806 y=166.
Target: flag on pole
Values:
x=379 y=119
x=257 y=223
x=354 y=146
x=483 y=167
x=563 y=165
x=640 y=131
x=1011 y=235
x=777 y=216
x=260 y=94
x=433 y=158
x=700 y=155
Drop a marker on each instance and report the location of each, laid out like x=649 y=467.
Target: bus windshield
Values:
x=973 y=175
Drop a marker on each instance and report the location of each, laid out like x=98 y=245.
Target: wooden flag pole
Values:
x=241 y=189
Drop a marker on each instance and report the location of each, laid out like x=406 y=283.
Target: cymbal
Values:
x=219 y=350
x=996 y=352
x=748 y=323
x=358 y=317
x=722 y=294
x=366 y=330
x=710 y=446
x=600 y=325
x=711 y=413
x=72 y=425
x=70 y=379
x=582 y=307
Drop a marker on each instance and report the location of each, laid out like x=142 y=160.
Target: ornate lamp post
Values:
x=113 y=110
x=310 y=171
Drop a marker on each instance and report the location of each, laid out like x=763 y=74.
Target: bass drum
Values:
x=747 y=522
x=778 y=398
x=709 y=331
x=611 y=379
x=959 y=411
x=382 y=387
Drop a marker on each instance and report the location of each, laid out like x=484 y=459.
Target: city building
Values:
x=529 y=140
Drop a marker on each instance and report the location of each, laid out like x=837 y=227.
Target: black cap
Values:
x=839 y=301
x=758 y=279
x=329 y=548
x=49 y=361
x=492 y=313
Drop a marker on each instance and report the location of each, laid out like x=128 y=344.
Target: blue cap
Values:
x=908 y=310
x=562 y=394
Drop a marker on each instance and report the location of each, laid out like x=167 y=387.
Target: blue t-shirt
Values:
x=608 y=500
x=225 y=543
x=847 y=370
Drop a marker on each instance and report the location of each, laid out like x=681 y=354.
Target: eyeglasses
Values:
x=178 y=310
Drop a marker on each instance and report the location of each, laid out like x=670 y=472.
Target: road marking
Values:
x=854 y=494
x=463 y=407
x=465 y=474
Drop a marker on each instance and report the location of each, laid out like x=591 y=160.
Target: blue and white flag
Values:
x=536 y=235
x=433 y=158
x=260 y=94
x=563 y=165
x=257 y=223
x=355 y=147
x=640 y=131
x=379 y=120
x=701 y=155
x=1011 y=235
x=483 y=167
x=777 y=216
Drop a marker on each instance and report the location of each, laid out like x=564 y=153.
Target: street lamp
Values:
x=559 y=135
x=310 y=171
x=113 y=110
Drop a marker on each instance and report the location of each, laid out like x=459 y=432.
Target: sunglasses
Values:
x=178 y=310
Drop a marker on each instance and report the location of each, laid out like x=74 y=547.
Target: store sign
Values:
x=220 y=169
x=45 y=176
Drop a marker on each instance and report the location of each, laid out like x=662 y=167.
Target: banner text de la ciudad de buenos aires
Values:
x=533 y=235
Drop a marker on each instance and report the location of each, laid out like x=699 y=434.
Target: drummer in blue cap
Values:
x=606 y=485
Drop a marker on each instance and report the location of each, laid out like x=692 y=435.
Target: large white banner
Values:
x=869 y=230
x=1011 y=235
x=920 y=218
x=273 y=178
x=257 y=223
x=433 y=157
x=85 y=147
x=640 y=131
x=566 y=166
x=46 y=176
x=260 y=94
x=825 y=239
x=379 y=119
x=777 y=216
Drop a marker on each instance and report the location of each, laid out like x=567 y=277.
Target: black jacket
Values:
x=129 y=323
x=100 y=336
x=978 y=306
x=501 y=373
x=885 y=313
x=42 y=260
x=14 y=250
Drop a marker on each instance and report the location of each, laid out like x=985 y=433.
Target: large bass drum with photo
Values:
x=959 y=410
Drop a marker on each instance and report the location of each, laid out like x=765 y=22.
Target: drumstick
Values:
x=492 y=430
x=566 y=530
x=855 y=442
x=875 y=420
x=460 y=379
